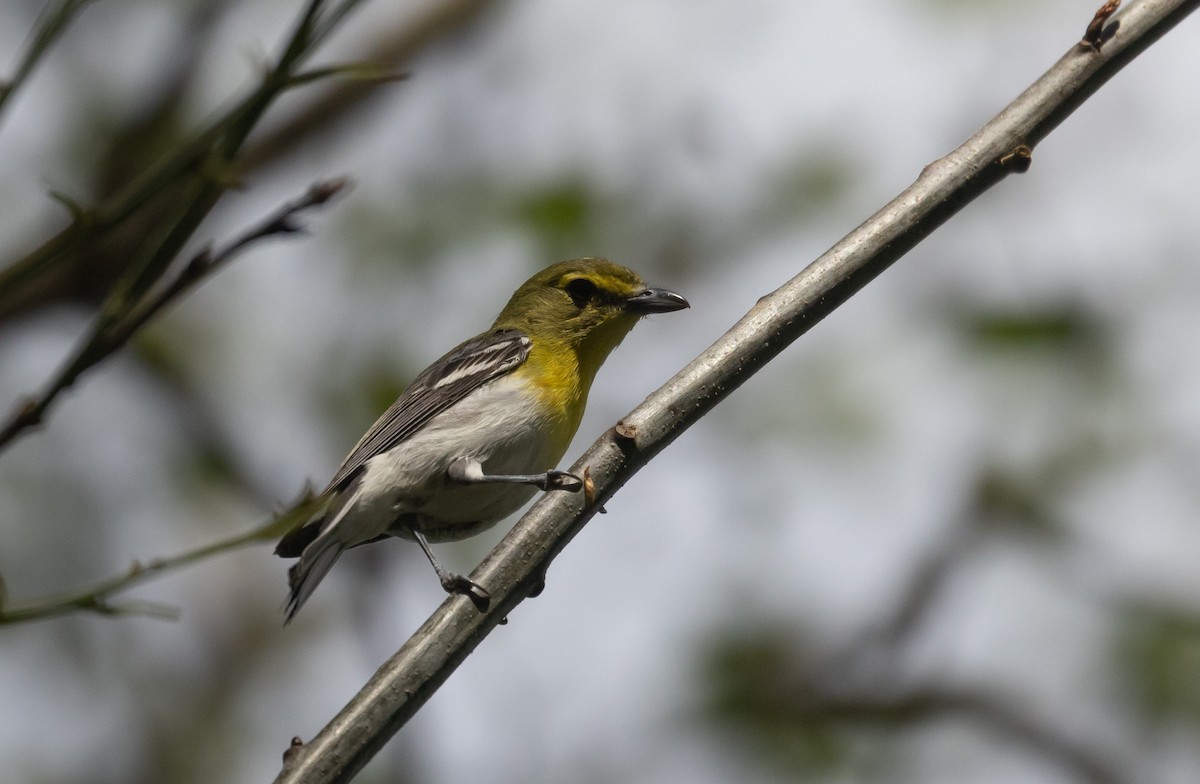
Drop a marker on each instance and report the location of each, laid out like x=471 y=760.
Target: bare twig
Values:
x=514 y=568
x=98 y=598
x=935 y=703
x=142 y=196
x=112 y=334
x=206 y=263
x=206 y=165
x=50 y=26
x=1098 y=30
x=337 y=102
x=134 y=145
x=210 y=150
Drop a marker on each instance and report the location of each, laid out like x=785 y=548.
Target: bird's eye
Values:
x=581 y=291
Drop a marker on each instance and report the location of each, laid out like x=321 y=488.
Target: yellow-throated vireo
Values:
x=482 y=428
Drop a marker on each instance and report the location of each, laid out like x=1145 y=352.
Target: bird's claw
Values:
x=457 y=584
x=562 y=480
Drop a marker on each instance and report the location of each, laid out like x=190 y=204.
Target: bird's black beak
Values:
x=652 y=300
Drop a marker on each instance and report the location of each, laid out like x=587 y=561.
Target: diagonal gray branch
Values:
x=515 y=568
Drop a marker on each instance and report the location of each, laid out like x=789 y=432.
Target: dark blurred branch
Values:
x=204 y=160
x=1002 y=499
x=138 y=195
x=856 y=684
x=51 y=24
x=337 y=102
x=207 y=162
x=516 y=567
x=98 y=598
x=206 y=263
x=943 y=704
x=207 y=165
x=924 y=588
x=997 y=499
x=115 y=332
x=217 y=170
x=137 y=144
x=160 y=208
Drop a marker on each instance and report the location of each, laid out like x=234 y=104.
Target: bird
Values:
x=477 y=433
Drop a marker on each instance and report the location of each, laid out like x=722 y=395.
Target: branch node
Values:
x=79 y=214
x=322 y=192
x=199 y=264
x=293 y=749
x=1017 y=160
x=222 y=172
x=589 y=490
x=27 y=413
x=626 y=431
x=537 y=585
x=286 y=224
x=589 y=486
x=1098 y=32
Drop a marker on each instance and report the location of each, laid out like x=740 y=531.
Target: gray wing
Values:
x=441 y=385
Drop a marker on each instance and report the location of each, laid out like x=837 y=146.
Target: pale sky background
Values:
x=727 y=144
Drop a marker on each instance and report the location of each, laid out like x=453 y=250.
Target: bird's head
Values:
x=590 y=304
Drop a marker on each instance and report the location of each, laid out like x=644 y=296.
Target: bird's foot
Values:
x=457 y=584
x=562 y=480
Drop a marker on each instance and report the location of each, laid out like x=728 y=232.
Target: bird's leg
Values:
x=454 y=583
x=469 y=471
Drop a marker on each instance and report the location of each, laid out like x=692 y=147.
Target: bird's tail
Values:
x=319 y=545
x=304 y=576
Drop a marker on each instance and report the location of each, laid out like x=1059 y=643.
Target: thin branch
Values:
x=938 y=704
x=518 y=564
x=98 y=598
x=51 y=25
x=91 y=223
x=923 y=589
x=329 y=22
x=337 y=103
x=207 y=162
x=218 y=169
x=206 y=263
x=111 y=336
x=367 y=72
x=1099 y=30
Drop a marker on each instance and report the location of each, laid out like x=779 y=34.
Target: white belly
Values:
x=495 y=425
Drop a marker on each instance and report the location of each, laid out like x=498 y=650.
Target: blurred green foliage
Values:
x=756 y=690
x=1159 y=656
x=559 y=214
x=819 y=178
x=1062 y=328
